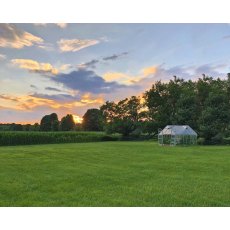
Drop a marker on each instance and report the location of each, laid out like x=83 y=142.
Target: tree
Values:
x=49 y=122
x=27 y=127
x=122 y=117
x=16 y=127
x=54 y=122
x=215 y=116
x=36 y=127
x=67 y=123
x=93 y=120
x=159 y=109
x=109 y=111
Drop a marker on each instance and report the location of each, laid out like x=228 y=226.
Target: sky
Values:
x=69 y=68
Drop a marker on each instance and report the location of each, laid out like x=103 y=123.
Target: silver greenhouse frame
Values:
x=177 y=135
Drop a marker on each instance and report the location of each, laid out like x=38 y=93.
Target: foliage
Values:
x=93 y=120
x=122 y=117
x=67 y=123
x=203 y=104
x=200 y=141
x=19 y=127
x=49 y=122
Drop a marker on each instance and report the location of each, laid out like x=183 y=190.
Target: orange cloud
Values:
x=35 y=66
x=65 y=67
x=74 y=45
x=127 y=79
x=149 y=70
x=89 y=99
x=121 y=78
x=29 y=102
x=13 y=37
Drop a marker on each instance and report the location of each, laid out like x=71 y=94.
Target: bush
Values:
x=200 y=141
x=218 y=139
x=136 y=132
x=226 y=141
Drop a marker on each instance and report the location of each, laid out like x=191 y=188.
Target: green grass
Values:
x=114 y=174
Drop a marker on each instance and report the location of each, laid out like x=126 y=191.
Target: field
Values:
x=30 y=138
x=114 y=174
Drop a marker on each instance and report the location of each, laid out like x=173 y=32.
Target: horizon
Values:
x=69 y=68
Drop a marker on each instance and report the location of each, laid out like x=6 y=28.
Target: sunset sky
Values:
x=68 y=68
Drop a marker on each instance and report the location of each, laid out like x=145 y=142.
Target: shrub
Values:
x=200 y=141
x=226 y=141
x=218 y=139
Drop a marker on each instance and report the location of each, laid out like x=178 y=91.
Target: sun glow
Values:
x=77 y=119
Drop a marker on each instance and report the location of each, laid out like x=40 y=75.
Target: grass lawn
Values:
x=114 y=174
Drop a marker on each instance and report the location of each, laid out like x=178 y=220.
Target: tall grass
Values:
x=30 y=138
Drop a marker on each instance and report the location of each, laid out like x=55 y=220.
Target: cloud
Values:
x=88 y=99
x=41 y=24
x=90 y=64
x=29 y=102
x=226 y=37
x=65 y=67
x=57 y=97
x=209 y=69
x=186 y=72
x=34 y=66
x=2 y=57
x=121 y=78
x=73 y=45
x=61 y=25
x=69 y=100
x=65 y=102
x=46 y=46
x=86 y=81
x=30 y=109
x=7 y=97
x=53 y=89
x=12 y=37
x=129 y=79
x=149 y=70
x=115 y=56
x=33 y=86
x=138 y=84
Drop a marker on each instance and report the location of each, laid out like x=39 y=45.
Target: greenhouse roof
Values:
x=178 y=130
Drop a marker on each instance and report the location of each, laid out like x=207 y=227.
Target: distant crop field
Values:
x=114 y=174
x=30 y=138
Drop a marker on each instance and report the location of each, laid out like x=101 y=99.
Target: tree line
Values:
x=92 y=122
x=203 y=104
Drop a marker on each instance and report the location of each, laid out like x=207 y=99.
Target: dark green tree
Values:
x=36 y=127
x=49 y=122
x=215 y=117
x=67 y=123
x=122 y=117
x=93 y=120
x=159 y=109
x=16 y=127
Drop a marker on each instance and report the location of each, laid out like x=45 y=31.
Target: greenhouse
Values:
x=177 y=135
